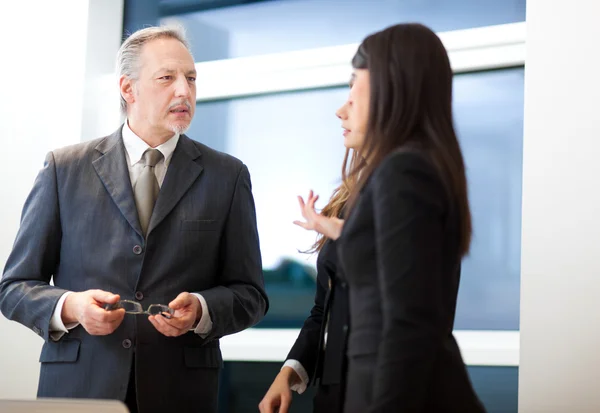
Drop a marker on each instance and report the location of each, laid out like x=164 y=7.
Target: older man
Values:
x=145 y=215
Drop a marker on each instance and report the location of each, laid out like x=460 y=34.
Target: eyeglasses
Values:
x=133 y=307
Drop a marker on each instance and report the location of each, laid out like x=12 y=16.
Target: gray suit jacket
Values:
x=80 y=228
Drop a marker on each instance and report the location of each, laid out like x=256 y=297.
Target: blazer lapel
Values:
x=112 y=169
x=181 y=174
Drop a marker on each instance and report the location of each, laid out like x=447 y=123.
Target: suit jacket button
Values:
x=126 y=343
x=137 y=250
x=345 y=328
x=139 y=296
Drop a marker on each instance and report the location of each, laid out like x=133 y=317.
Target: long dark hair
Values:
x=411 y=104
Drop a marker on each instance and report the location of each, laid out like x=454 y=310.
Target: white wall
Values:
x=101 y=115
x=44 y=78
x=560 y=299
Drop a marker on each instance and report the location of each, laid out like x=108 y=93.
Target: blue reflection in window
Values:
x=292 y=142
x=280 y=26
x=488 y=110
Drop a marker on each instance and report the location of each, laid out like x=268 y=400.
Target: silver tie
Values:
x=146 y=188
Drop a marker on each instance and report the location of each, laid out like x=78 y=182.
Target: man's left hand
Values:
x=188 y=312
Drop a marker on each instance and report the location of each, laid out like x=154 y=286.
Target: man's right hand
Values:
x=86 y=308
x=279 y=396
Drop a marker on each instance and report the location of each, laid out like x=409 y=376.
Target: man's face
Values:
x=162 y=101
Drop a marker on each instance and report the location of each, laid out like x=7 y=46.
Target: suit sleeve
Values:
x=408 y=216
x=240 y=300
x=305 y=349
x=25 y=293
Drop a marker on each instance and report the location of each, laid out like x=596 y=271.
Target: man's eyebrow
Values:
x=164 y=70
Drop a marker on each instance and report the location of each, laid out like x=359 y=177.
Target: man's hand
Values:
x=279 y=395
x=188 y=312
x=86 y=308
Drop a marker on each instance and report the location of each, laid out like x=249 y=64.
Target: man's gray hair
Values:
x=129 y=54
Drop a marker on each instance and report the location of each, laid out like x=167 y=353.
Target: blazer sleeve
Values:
x=240 y=300
x=25 y=293
x=306 y=347
x=408 y=207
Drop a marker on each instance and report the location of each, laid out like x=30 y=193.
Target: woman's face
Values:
x=354 y=114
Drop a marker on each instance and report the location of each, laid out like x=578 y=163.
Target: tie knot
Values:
x=151 y=157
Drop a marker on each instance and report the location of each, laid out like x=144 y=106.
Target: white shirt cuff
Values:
x=301 y=371
x=205 y=324
x=57 y=327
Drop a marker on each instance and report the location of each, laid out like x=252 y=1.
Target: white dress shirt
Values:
x=301 y=371
x=134 y=149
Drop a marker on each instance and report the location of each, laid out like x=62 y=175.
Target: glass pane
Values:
x=489 y=121
x=280 y=26
x=292 y=142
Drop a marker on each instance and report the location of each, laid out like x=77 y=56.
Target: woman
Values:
x=407 y=228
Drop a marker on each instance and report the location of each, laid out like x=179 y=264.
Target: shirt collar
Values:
x=135 y=146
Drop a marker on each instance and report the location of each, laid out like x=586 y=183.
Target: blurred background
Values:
x=271 y=74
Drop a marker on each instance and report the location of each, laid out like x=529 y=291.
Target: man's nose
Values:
x=182 y=88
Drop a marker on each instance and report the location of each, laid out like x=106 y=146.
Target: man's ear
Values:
x=126 y=87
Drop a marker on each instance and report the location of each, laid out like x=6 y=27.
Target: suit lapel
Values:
x=181 y=174
x=112 y=169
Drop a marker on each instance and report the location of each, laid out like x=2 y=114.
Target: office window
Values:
x=489 y=120
x=286 y=25
x=243 y=385
x=292 y=142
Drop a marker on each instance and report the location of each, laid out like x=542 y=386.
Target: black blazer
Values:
x=399 y=251
x=80 y=228
x=326 y=366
